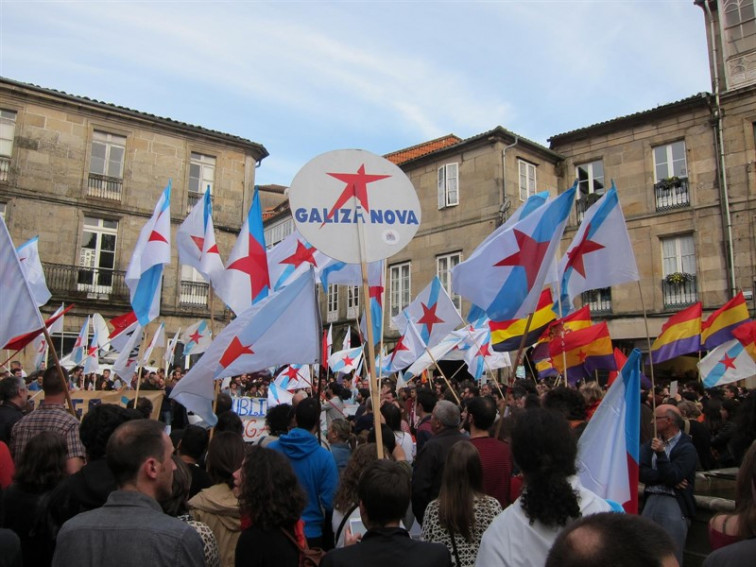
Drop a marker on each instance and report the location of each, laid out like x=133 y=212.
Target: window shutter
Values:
x=441 y=187
x=452 y=184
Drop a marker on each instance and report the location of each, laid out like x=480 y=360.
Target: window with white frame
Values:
x=97 y=255
x=679 y=255
x=353 y=301
x=106 y=165
x=444 y=266
x=590 y=178
x=669 y=161
x=527 y=174
x=448 y=185
x=201 y=176
x=275 y=233
x=399 y=288
x=740 y=25
x=332 y=313
x=194 y=287
x=7 y=132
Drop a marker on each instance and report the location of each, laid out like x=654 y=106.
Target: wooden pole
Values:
x=521 y=348
x=650 y=356
x=448 y=384
x=139 y=367
x=60 y=372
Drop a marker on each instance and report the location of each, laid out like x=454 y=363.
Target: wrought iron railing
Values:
x=680 y=294
x=673 y=194
x=194 y=293
x=585 y=202
x=4 y=168
x=599 y=300
x=104 y=187
x=192 y=199
x=89 y=283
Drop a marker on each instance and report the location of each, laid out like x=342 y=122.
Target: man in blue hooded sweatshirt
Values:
x=313 y=465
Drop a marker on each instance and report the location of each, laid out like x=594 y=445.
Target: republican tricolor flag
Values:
x=718 y=327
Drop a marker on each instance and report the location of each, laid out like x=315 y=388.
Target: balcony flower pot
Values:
x=678 y=278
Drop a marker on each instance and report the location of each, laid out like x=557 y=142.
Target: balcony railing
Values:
x=194 y=294
x=599 y=300
x=4 y=168
x=192 y=199
x=680 y=294
x=672 y=193
x=584 y=202
x=88 y=283
x=104 y=187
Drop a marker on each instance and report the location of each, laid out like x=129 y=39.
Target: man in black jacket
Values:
x=13 y=394
x=668 y=468
x=384 y=494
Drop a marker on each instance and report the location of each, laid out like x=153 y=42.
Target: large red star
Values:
x=301 y=255
x=155 y=235
x=529 y=256
x=195 y=337
x=575 y=254
x=234 y=351
x=291 y=372
x=356 y=186
x=199 y=241
x=484 y=350
x=399 y=346
x=429 y=317
x=255 y=265
x=348 y=361
x=728 y=361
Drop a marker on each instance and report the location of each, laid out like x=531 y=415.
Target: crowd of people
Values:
x=471 y=475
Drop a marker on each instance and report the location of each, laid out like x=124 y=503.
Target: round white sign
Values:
x=343 y=195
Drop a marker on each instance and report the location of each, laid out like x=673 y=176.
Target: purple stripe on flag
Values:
x=601 y=362
x=676 y=348
x=721 y=336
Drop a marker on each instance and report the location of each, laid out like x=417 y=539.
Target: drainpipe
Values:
x=504 y=205
x=719 y=135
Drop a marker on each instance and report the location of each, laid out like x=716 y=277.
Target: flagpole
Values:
x=650 y=354
x=521 y=348
x=60 y=373
x=456 y=397
x=139 y=368
x=561 y=333
x=485 y=362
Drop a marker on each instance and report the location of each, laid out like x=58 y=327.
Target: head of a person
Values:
x=229 y=421
x=307 y=414
x=592 y=392
x=688 y=409
x=99 y=424
x=745 y=494
x=42 y=465
x=13 y=388
x=225 y=454
x=269 y=491
x=139 y=456
x=392 y=415
x=15 y=365
x=731 y=392
x=608 y=538
x=53 y=384
x=223 y=403
x=346 y=494
x=470 y=390
x=481 y=412
x=277 y=419
x=176 y=503
x=566 y=400
x=334 y=390
x=545 y=449
x=729 y=408
x=485 y=389
x=193 y=443
x=461 y=481
x=668 y=420
x=426 y=400
x=384 y=492
x=143 y=406
x=387 y=437
x=340 y=431
x=446 y=415
x=362 y=395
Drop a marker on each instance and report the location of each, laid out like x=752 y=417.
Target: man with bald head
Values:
x=668 y=468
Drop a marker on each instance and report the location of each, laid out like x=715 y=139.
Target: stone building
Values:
x=85 y=176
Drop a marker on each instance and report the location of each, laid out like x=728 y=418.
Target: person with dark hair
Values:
x=606 y=539
x=131 y=530
x=313 y=465
x=229 y=421
x=217 y=505
x=13 y=395
x=495 y=455
x=362 y=396
x=721 y=442
x=384 y=494
x=277 y=421
x=570 y=403
x=51 y=415
x=668 y=469
x=346 y=502
x=545 y=450
x=429 y=466
x=333 y=405
x=176 y=505
x=426 y=401
x=462 y=512
x=191 y=450
x=25 y=504
x=392 y=415
x=271 y=497
x=143 y=406
x=90 y=487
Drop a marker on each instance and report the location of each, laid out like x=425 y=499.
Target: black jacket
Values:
x=669 y=472
x=382 y=547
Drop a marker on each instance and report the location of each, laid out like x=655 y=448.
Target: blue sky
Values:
x=303 y=78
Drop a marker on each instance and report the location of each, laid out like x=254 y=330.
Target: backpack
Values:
x=308 y=557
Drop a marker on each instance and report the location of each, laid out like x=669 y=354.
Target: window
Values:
x=444 y=265
x=399 y=288
x=740 y=25
x=332 y=314
x=194 y=288
x=201 y=176
x=353 y=301
x=527 y=179
x=590 y=185
x=679 y=270
x=599 y=300
x=97 y=255
x=7 y=131
x=669 y=161
x=448 y=185
x=106 y=165
x=277 y=232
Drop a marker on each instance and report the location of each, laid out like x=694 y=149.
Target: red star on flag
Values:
x=301 y=255
x=529 y=256
x=251 y=264
x=195 y=337
x=199 y=241
x=356 y=186
x=348 y=361
x=728 y=361
x=429 y=317
x=291 y=372
x=484 y=350
x=399 y=346
x=156 y=236
x=585 y=246
x=582 y=356
x=234 y=351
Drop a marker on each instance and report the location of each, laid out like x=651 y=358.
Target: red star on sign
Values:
x=301 y=255
x=356 y=186
x=585 y=246
x=234 y=351
x=251 y=265
x=429 y=317
x=529 y=256
x=728 y=361
x=195 y=337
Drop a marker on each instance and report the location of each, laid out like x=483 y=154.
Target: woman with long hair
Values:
x=271 y=501
x=346 y=502
x=725 y=529
x=217 y=506
x=462 y=512
x=25 y=504
x=392 y=415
